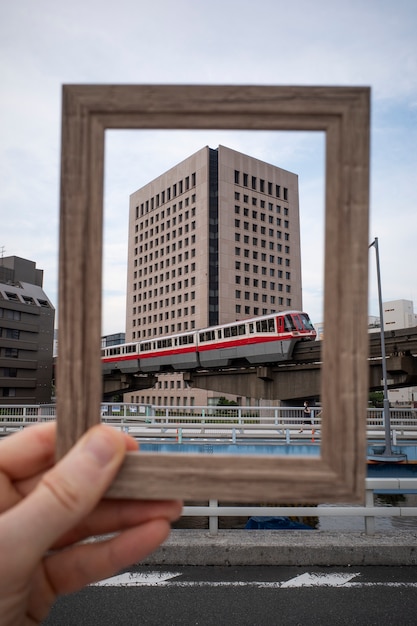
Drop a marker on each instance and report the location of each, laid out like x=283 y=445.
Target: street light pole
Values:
x=388 y=455
x=387 y=415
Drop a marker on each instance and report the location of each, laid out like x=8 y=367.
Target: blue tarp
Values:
x=275 y=523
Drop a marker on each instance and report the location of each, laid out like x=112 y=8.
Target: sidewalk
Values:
x=286 y=547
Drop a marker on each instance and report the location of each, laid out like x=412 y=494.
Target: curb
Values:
x=285 y=547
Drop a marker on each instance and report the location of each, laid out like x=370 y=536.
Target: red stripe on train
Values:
x=202 y=347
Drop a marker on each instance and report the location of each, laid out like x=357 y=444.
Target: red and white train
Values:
x=266 y=339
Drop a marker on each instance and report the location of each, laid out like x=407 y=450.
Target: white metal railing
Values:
x=368 y=512
x=232 y=423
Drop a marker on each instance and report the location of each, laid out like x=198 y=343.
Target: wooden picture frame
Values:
x=343 y=114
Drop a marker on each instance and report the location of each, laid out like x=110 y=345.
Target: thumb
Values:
x=67 y=492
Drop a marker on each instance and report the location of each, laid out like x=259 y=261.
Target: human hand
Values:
x=46 y=509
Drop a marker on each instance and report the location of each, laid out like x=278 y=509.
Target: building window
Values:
x=11 y=353
x=9 y=392
x=9 y=372
x=9 y=333
x=237 y=176
x=28 y=300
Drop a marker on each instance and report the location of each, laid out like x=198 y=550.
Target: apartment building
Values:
x=214 y=239
x=26 y=334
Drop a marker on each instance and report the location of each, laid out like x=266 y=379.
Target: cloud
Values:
x=236 y=42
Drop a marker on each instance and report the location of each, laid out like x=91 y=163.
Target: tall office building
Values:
x=26 y=334
x=214 y=239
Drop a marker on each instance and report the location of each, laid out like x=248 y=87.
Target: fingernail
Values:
x=100 y=446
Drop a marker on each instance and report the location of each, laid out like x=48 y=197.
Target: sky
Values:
x=46 y=44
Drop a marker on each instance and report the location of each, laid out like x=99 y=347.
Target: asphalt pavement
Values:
x=245 y=596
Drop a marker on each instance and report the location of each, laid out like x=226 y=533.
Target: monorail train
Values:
x=265 y=339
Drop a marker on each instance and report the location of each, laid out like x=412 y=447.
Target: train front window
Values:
x=298 y=323
x=306 y=321
x=289 y=324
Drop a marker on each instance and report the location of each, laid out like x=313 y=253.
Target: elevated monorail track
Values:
x=397 y=343
x=294 y=379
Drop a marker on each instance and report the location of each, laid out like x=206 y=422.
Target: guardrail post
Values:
x=213 y=519
x=287 y=436
x=369 y=519
x=233 y=435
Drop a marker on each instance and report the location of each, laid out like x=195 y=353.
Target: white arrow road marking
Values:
x=319 y=580
x=136 y=579
x=159 y=579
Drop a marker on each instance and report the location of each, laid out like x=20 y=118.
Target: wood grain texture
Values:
x=343 y=114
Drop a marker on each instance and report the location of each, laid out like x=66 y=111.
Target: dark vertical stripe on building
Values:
x=213 y=237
